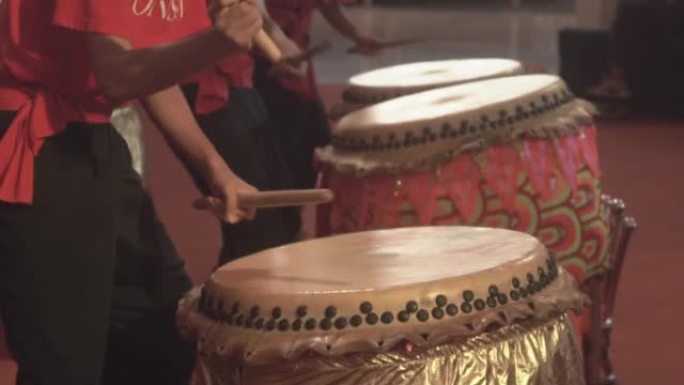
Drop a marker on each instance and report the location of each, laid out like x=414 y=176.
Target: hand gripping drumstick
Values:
x=266 y=45
x=261 y=40
x=276 y=198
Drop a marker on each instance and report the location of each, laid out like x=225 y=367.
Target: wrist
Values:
x=221 y=42
x=211 y=164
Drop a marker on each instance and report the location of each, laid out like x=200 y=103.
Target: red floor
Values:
x=643 y=163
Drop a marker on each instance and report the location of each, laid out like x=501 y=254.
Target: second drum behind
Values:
x=368 y=88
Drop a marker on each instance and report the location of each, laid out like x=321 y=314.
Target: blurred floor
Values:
x=528 y=34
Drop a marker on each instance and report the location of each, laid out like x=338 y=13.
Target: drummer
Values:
x=295 y=102
x=233 y=116
x=67 y=188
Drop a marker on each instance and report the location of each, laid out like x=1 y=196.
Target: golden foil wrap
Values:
x=533 y=352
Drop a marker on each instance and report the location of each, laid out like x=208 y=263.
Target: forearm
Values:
x=335 y=15
x=170 y=112
x=125 y=74
x=277 y=34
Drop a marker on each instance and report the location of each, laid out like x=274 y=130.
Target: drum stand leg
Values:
x=595 y=348
x=602 y=289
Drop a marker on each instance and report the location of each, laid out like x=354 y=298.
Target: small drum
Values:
x=383 y=84
x=517 y=153
x=429 y=305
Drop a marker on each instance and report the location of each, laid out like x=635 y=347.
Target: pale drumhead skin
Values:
x=382 y=260
x=390 y=82
x=334 y=277
x=449 y=101
x=436 y=124
x=368 y=292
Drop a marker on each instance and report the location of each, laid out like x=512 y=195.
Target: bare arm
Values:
x=292 y=62
x=334 y=14
x=169 y=110
x=124 y=73
x=289 y=48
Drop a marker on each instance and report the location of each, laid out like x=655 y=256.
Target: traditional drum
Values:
x=517 y=152
x=388 y=83
x=429 y=305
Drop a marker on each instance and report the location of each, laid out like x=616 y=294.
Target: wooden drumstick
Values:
x=261 y=40
x=297 y=60
x=276 y=198
x=268 y=47
x=285 y=198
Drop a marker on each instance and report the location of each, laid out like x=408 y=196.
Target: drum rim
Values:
x=242 y=345
x=548 y=116
x=367 y=94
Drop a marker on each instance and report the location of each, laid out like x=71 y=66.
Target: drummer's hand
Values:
x=223 y=202
x=239 y=22
x=367 y=46
x=293 y=64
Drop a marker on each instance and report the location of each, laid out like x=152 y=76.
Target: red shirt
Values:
x=45 y=73
x=213 y=84
x=294 y=18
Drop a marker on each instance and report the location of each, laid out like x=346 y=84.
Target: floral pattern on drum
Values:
x=548 y=188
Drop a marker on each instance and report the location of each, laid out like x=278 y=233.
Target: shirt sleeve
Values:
x=143 y=22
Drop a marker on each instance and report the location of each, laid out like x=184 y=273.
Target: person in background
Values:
x=645 y=54
x=89 y=280
x=233 y=116
x=294 y=102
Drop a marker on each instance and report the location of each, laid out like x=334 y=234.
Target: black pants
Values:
x=303 y=124
x=88 y=278
x=244 y=136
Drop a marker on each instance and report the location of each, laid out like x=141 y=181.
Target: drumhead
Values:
x=479 y=97
x=431 y=125
x=390 y=82
x=381 y=260
x=369 y=292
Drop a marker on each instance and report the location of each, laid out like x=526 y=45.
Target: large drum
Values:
x=383 y=84
x=517 y=153
x=429 y=305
